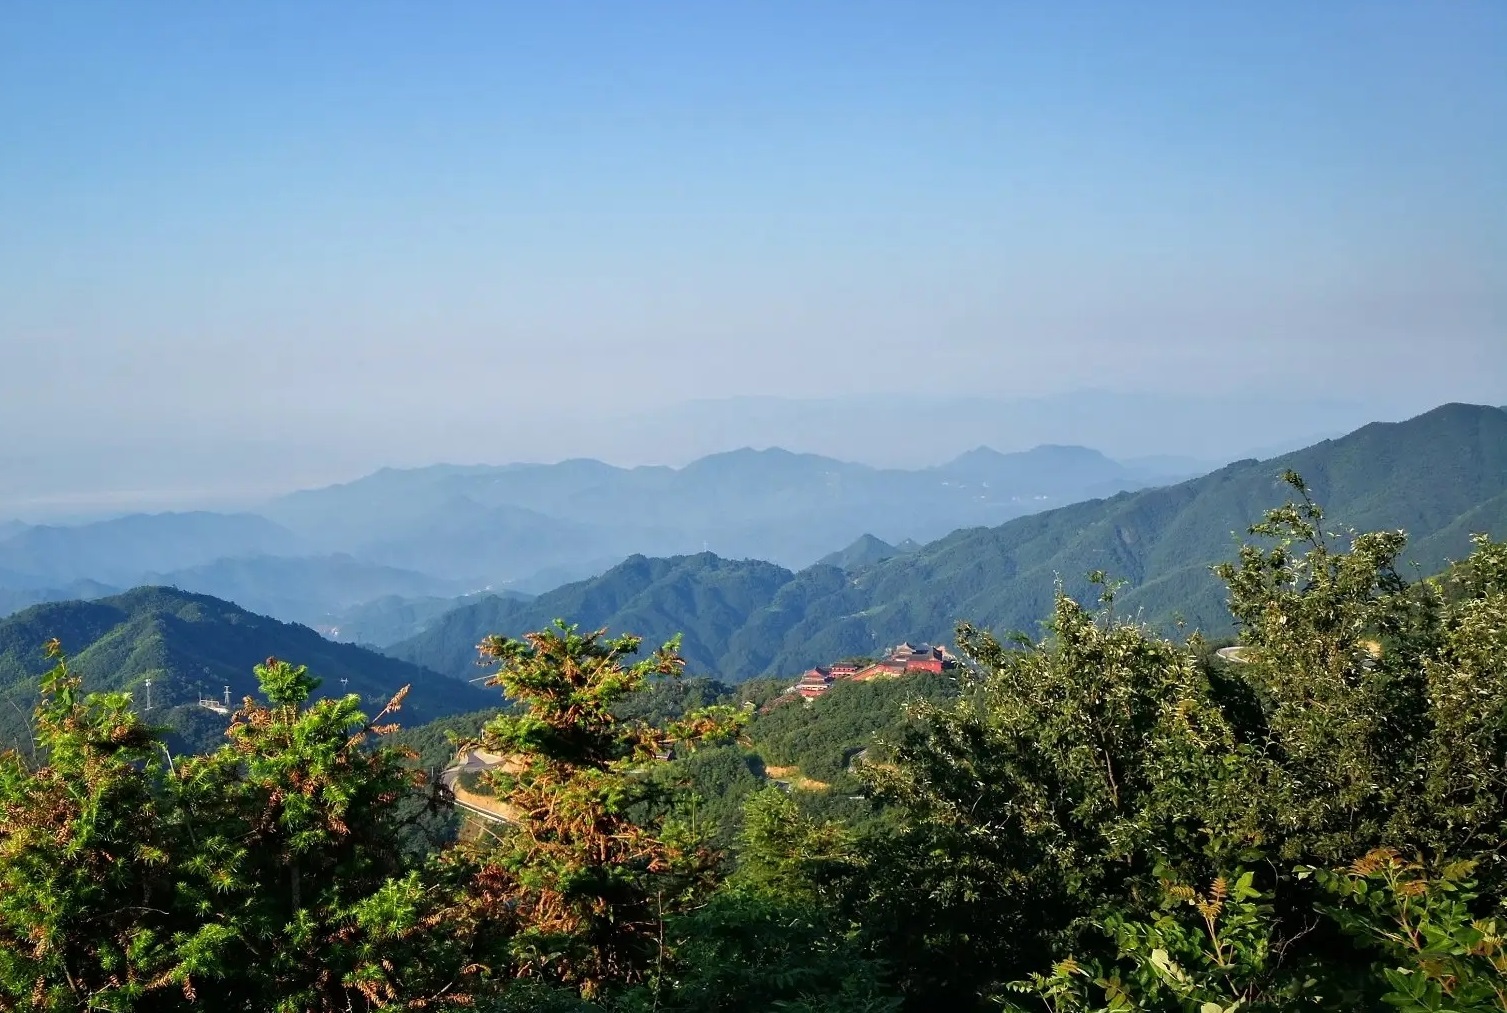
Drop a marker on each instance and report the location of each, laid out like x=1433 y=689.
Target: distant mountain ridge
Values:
x=304 y=589
x=122 y=550
x=503 y=523
x=192 y=645
x=1441 y=476
x=12 y=601
x=1050 y=468
x=447 y=530
x=387 y=620
x=1210 y=426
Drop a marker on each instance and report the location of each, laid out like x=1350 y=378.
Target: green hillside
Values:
x=192 y=645
x=1439 y=476
x=703 y=598
x=809 y=746
x=1435 y=476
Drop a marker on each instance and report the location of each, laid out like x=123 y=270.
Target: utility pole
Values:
x=227 y=697
x=149 y=694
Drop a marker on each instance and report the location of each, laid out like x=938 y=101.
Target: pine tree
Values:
x=87 y=864
x=268 y=875
x=582 y=883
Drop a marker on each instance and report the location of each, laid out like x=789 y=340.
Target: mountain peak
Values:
x=867 y=550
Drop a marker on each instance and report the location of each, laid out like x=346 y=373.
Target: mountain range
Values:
x=1440 y=476
x=120 y=550
x=497 y=525
x=423 y=534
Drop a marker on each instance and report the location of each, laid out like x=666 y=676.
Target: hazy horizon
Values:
x=1181 y=430
x=262 y=247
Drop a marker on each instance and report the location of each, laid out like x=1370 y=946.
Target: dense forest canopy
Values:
x=1100 y=818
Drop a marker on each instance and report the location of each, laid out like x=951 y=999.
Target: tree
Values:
x=86 y=859
x=583 y=887
x=1364 y=719
x=297 y=828
x=268 y=875
x=770 y=937
x=1035 y=800
x=1383 y=703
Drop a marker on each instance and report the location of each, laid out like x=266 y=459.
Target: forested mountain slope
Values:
x=192 y=645
x=704 y=598
x=1440 y=476
x=1435 y=476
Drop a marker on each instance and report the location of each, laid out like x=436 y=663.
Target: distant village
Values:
x=903 y=659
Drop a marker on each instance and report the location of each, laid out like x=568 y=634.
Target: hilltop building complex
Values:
x=903 y=659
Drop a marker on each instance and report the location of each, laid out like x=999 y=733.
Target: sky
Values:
x=263 y=244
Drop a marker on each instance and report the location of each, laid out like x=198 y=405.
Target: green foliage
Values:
x=850 y=720
x=1436 y=954
x=786 y=853
x=1112 y=767
x=1097 y=820
x=746 y=951
x=83 y=846
x=661 y=701
x=268 y=875
x=1041 y=791
x=1201 y=952
x=709 y=787
x=585 y=887
x=283 y=684
x=1378 y=696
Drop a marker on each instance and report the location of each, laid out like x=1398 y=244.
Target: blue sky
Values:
x=396 y=230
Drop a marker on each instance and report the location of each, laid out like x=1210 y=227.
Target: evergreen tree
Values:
x=88 y=864
x=296 y=827
x=268 y=875
x=584 y=887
